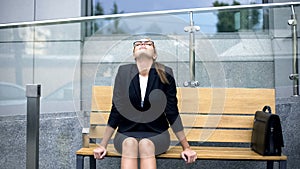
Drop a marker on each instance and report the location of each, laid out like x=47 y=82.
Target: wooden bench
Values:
x=218 y=123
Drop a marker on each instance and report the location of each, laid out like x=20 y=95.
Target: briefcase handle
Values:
x=267 y=108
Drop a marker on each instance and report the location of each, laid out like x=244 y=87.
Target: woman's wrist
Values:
x=101 y=145
x=186 y=147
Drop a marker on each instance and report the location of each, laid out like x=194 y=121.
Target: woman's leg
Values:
x=129 y=153
x=147 y=154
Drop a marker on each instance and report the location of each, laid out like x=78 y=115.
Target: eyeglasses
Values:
x=146 y=43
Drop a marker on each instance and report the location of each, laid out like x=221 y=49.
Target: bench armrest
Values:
x=85 y=137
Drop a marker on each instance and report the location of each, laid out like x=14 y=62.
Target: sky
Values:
x=207 y=21
x=130 y=6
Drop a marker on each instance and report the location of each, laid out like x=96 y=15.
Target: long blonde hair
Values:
x=160 y=69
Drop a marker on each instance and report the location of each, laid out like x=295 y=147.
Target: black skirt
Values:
x=160 y=141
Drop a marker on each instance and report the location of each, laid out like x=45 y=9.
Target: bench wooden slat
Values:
x=217 y=153
x=98 y=118
x=221 y=153
x=203 y=100
x=218 y=121
x=197 y=135
x=217 y=135
x=224 y=100
x=194 y=120
x=101 y=98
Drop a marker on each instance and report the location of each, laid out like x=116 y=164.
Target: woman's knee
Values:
x=146 y=148
x=130 y=147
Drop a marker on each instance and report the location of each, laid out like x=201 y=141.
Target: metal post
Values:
x=191 y=29
x=33 y=93
x=295 y=75
x=192 y=49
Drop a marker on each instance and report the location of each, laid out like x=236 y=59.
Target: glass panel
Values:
x=16 y=62
x=240 y=47
x=235 y=47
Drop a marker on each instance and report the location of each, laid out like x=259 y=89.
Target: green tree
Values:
x=227 y=20
x=116 y=29
x=98 y=9
x=249 y=18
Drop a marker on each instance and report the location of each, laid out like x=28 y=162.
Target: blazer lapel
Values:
x=151 y=81
x=134 y=77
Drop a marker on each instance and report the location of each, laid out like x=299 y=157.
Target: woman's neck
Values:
x=144 y=65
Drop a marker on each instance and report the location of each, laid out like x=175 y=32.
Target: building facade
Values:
x=67 y=58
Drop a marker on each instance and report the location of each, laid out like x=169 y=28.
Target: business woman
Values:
x=144 y=106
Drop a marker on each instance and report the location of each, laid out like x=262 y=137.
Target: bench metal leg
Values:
x=79 y=162
x=282 y=164
x=270 y=164
x=92 y=162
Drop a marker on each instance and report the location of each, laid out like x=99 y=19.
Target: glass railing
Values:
x=236 y=47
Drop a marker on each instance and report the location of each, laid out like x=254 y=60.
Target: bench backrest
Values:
x=208 y=114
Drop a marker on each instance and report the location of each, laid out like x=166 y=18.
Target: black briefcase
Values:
x=267 y=136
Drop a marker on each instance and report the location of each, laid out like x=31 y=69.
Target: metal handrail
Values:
x=88 y=18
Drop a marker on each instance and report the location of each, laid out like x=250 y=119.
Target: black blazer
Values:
x=160 y=103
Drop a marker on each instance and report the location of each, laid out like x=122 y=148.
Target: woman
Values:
x=144 y=106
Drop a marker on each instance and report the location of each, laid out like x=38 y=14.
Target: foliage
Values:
x=233 y=21
x=100 y=11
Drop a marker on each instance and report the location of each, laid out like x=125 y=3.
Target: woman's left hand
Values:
x=189 y=155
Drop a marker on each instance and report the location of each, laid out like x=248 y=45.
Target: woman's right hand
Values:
x=99 y=152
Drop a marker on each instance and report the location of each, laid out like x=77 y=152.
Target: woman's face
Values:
x=144 y=48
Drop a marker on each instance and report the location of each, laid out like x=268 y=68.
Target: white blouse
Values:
x=143 y=86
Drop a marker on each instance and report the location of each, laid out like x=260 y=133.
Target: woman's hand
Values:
x=189 y=155
x=99 y=152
